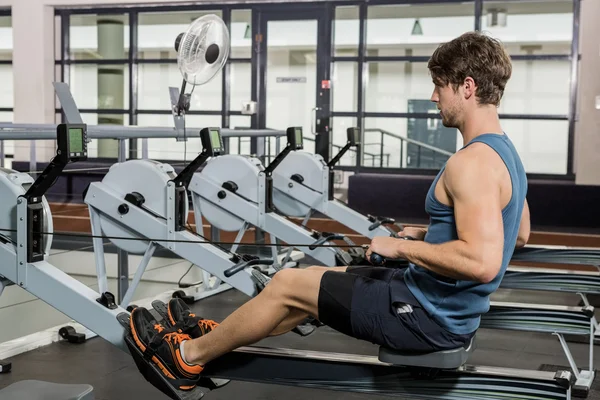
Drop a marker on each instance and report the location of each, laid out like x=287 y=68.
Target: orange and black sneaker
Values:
x=161 y=346
x=183 y=319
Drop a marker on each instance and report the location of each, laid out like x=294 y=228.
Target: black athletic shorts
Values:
x=358 y=303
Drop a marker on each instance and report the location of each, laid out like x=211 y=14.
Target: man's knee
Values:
x=282 y=282
x=298 y=288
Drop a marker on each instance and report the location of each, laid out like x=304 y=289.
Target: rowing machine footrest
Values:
x=153 y=375
x=304 y=329
x=260 y=279
x=445 y=359
x=68 y=333
x=107 y=300
x=180 y=294
x=5 y=367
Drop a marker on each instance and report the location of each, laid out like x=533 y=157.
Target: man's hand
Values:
x=385 y=246
x=414 y=232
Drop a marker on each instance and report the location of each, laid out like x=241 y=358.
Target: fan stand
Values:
x=180 y=105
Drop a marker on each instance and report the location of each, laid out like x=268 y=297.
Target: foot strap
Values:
x=153 y=345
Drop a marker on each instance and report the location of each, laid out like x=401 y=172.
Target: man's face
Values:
x=449 y=104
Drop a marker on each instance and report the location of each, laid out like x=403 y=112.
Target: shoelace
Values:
x=176 y=337
x=208 y=324
x=159 y=328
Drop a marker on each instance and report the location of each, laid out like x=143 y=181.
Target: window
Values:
x=390 y=86
x=6 y=88
x=170 y=148
x=542 y=145
x=100 y=86
x=98 y=37
x=346 y=31
x=530 y=27
x=429 y=143
x=529 y=90
x=384 y=87
x=154 y=81
x=340 y=138
x=241 y=34
x=240 y=85
x=344 y=86
x=392 y=30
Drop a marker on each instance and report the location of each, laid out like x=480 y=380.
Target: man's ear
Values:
x=469 y=87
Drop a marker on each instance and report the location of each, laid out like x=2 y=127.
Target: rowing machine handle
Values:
x=334 y=236
x=380 y=221
x=242 y=265
x=379 y=260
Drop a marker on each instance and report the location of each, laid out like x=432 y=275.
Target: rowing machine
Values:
x=439 y=375
x=303 y=185
x=235 y=192
x=25 y=242
x=142 y=204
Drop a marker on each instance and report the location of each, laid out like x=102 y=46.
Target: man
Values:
x=478 y=215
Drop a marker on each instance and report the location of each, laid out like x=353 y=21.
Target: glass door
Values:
x=294 y=74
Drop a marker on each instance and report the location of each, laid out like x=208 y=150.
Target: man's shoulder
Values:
x=475 y=157
x=476 y=165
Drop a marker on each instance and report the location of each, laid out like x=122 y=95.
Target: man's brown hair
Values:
x=476 y=55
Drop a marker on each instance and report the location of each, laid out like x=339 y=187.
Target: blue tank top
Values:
x=456 y=304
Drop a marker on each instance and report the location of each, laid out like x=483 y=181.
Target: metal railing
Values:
x=424 y=151
x=34 y=132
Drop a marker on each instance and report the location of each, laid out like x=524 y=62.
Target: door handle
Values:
x=313 y=120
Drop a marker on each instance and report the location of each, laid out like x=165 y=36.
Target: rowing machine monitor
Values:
x=212 y=145
x=353 y=136
x=212 y=142
x=71 y=141
x=295 y=137
x=353 y=140
x=295 y=141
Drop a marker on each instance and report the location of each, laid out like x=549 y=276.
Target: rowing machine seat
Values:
x=446 y=359
x=39 y=390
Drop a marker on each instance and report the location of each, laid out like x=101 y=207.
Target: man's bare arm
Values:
x=524 y=227
x=477 y=254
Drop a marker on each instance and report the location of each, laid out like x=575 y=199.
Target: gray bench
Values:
x=39 y=390
x=446 y=359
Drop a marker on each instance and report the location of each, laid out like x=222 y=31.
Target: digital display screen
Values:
x=215 y=139
x=353 y=135
x=298 y=137
x=75 y=140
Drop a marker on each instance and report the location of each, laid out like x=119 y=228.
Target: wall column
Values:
x=33 y=73
x=111 y=78
x=587 y=128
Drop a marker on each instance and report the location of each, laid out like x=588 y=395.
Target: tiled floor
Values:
x=114 y=375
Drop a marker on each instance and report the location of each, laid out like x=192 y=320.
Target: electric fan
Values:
x=202 y=51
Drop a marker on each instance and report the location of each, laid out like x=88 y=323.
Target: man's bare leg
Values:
x=289 y=290
x=297 y=316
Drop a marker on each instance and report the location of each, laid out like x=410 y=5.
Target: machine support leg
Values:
x=98 y=250
x=595 y=323
x=239 y=237
x=565 y=347
x=585 y=378
x=122 y=273
x=138 y=274
x=275 y=253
